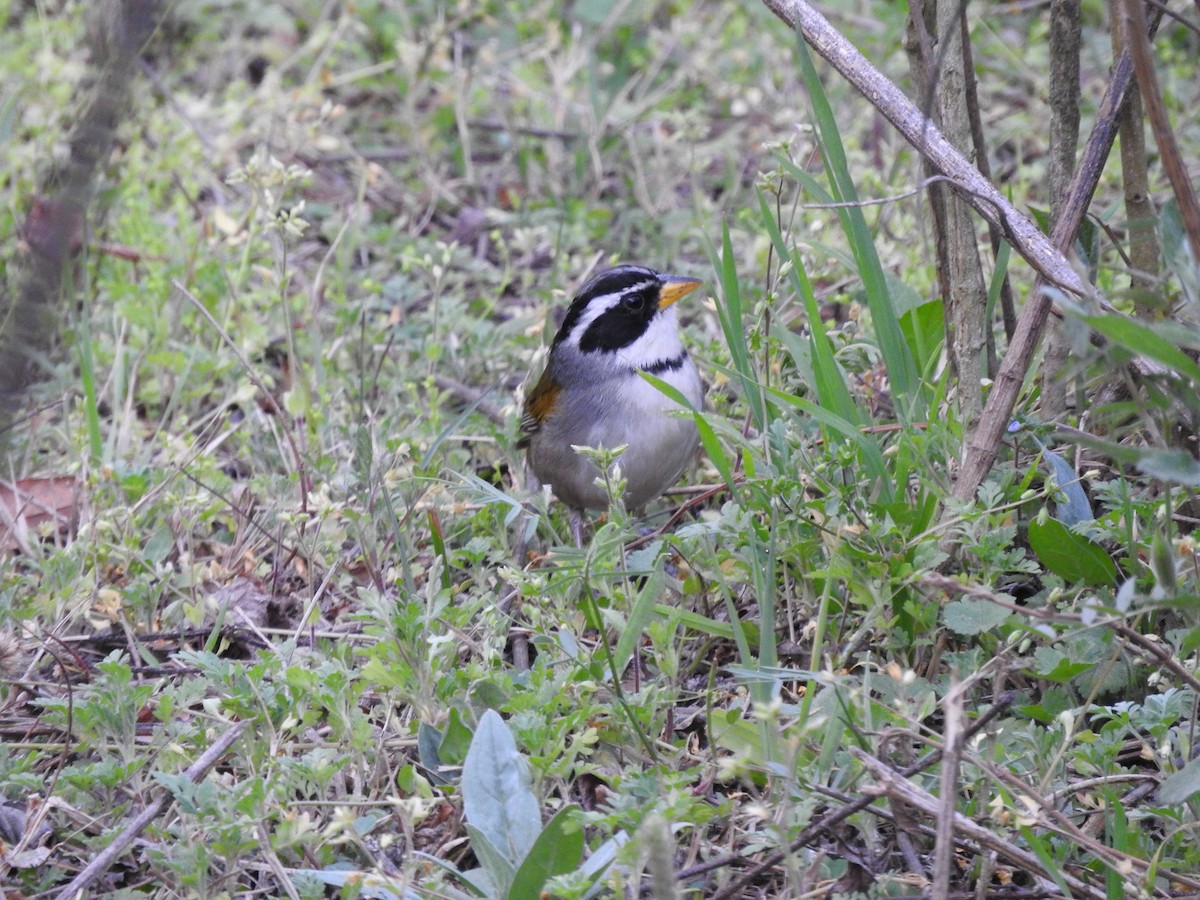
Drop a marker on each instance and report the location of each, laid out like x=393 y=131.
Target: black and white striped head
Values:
x=626 y=312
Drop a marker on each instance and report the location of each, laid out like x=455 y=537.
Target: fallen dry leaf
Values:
x=36 y=505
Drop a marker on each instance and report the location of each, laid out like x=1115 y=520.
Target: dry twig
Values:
x=137 y=825
x=919 y=131
x=897 y=787
x=1143 y=63
x=1042 y=253
x=812 y=832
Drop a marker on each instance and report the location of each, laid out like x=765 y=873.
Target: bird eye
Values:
x=635 y=302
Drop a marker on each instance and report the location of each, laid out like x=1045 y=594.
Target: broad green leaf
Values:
x=731 y=731
x=1077 y=508
x=1072 y=557
x=495 y=788
x=1162 y=564
x=411 y=781
x=969 y=617
x=499 y=869
x=924 y=327
x=1054 y=665
x=477 y=881
x=488 y=695
x=1148 y=342
x=557 y=851
x=1176 y=466
x=377 y=672
x=429 y=739
x=1180 y=786
x=906 y=298
x=1054 y=700
x=1177 y=252
x=1038 y=714
x=1190 y=642
x=456 y=740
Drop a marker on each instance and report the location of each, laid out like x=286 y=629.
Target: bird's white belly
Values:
x=659 y=443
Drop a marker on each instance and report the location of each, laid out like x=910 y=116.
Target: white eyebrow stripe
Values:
x=596 y=307
x=599 y=305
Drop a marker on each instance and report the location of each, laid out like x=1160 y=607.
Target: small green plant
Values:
x=517 y=855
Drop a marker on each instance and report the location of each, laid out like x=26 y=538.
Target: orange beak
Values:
x=674 y=287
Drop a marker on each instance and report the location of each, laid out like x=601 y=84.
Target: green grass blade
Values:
x=641 y=613
x=87 y=373
x=702 y=624
x=708 y=437
x=832 y=390
x=731 y=315
x=869 y=449
x=1001 y=269
x=1044 y=852
x=902 y=371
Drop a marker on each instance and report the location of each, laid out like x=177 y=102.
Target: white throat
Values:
x=659 y=343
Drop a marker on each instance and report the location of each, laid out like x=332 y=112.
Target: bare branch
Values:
x=919 y=131
x=1139 y=45
x=137 y=825
x=997 y=412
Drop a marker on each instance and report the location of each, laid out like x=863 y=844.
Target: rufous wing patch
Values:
x=538 y=405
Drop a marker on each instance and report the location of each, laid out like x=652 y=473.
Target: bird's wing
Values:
x=538 y=406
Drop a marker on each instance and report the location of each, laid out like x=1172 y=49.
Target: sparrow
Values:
x=620 y=323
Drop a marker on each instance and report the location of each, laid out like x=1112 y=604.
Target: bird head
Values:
x=626 y=312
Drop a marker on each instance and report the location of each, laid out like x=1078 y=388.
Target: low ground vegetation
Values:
x=281 y=518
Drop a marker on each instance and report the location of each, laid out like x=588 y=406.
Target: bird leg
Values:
x=575 y=517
